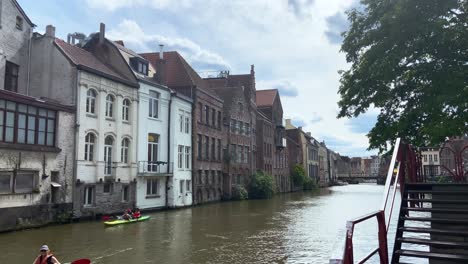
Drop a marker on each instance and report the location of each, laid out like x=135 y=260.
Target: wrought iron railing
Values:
x=404 y=160
x=155 y=167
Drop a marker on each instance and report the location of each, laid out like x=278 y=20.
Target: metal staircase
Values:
x=443 y=208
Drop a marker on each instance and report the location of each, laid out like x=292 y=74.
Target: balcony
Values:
x=281 y=143
x=155 y=168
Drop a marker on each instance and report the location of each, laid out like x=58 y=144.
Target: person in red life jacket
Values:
x=136 y=213
x=45 y=257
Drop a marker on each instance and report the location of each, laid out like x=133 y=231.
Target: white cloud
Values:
x=131 y=33
x=286 y=40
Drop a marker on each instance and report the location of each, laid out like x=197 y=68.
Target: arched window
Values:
x=153 y=141
x=90 y=140
x=109 y=105
x=108 y=144
x=124 y=150
x=153 y=104
x=91 y=101
x=125 y=109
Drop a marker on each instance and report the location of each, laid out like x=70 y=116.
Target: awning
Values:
x=55 y=185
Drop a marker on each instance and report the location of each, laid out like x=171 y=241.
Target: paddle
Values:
x=81 y=261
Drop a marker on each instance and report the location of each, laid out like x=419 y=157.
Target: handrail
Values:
x=396 y=173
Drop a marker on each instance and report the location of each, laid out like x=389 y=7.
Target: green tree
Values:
x=262 y=186
x=409 y=59
x=298 y=175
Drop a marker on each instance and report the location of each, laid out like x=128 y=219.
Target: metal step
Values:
x=430 y=255
x=444 y=232
x=436 y=210
x=438 y=192
x=437 y=220
x=437 y=243
x=436 y=201
x=429 y=184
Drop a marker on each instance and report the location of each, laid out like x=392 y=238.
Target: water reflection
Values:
x=290 y=228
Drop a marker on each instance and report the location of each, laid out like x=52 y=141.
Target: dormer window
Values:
x=139 y=65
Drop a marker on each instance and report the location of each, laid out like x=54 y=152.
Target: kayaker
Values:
x=136 y=213
x=126 y=216
x=45 y=257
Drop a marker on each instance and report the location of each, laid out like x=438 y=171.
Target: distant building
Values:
x=455 y=146
x=269 y=104
x=430 y=159
x=356 y=167
x=375 y=165
x=324 y=176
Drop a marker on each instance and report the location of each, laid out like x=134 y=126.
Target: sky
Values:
x=294 y=45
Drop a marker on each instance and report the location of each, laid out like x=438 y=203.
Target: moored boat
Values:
x=121 y=222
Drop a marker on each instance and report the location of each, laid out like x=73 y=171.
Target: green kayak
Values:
x=121 y=222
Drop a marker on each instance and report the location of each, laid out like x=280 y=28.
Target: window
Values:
x=220 y=178
x=247 y=155
x=25 y=124
x=90 y=139
x=219 y=120
x=125 y=109
x=207 y=114
x=200 y=108
x=110 y=105
x=188 y=184
x=180 y=160
x=233 y=125
x=124 y=150
x=234 y=153
x=153 y=141
x=436 y=158
x=213 y=177
x=247 y=129
x=181 y=121
x=181 y=186
x=187 y=157
x=425 y=157
x=213 y=117
x=241 y=128
x=91 y=101
x=125 y=194
x=108 y=143
x=241 y=152
x=107 y=187
x=153 y=104
x=430 y=157
x=213 y=149
x=199 y=146
x=24 y=182
x=142 y=68
x=207 y=147
x=19 y=23
x=219 y=149
x=152 y=187
x=199 y=178
x=207 y=177
x=11 y=76
x=187 y=123
x=88 y=196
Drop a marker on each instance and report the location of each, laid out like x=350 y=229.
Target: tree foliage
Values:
x=298 y=175
x=262 y=186
x=409 y=59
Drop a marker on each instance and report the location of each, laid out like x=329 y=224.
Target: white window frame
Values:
x=188 y=184
x=187 y=158
x=110 y=100
x=180 y=156
x=125 y=150
x=181 y=121
x=91 y=96
x=88 y=191
x=108 y=149
x=181 y=186
x=150 y=189
x=126 y=110
x=187 y=123
x=153 y=104
x=89 y=146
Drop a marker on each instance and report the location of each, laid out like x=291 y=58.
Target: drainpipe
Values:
x=77 y=126
x=169 y=146
x=29 y=61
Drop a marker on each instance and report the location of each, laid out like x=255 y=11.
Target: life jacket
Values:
x=136 y=215
x=44 y=260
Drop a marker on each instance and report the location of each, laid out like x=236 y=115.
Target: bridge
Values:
x=358 y=179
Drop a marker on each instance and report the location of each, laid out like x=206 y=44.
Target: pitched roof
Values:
x=23 y=13
x=266 y=97
x=178 y=71
x=86 y=59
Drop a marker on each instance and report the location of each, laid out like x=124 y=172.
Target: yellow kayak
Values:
x=121 y=222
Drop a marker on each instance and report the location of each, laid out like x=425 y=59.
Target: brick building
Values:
x=239 y=111
x=208 y=135
x=269 y=104
x=266 y=144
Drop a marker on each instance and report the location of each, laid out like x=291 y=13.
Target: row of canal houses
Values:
x=89 y=127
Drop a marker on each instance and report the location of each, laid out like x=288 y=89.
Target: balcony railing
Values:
x=154 y=168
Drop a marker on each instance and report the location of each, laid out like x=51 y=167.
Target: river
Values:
x=290 y=228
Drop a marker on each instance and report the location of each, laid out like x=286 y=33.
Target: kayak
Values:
x=121 y=222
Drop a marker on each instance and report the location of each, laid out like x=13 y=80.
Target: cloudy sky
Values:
x=294 y=45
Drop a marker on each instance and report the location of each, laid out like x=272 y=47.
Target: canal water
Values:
x=290 y=228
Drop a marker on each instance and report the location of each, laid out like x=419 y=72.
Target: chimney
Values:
x=252 y=71
x=161 y=52
x=50 y=31
x=102 y=32
x=161 y=67
x=288 y=123
x=68 y=38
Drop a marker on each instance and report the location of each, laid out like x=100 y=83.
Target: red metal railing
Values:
x=404 y=160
